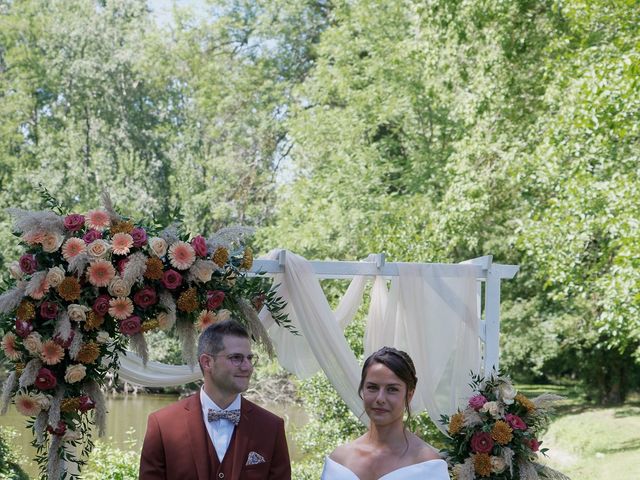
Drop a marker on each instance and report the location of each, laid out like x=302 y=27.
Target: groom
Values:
x=216 y=433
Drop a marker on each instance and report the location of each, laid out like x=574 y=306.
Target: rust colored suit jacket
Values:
x=177 y=445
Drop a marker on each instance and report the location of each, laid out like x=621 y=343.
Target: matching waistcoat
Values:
x=218 y=470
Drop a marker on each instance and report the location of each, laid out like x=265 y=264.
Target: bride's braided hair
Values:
x=399 y=363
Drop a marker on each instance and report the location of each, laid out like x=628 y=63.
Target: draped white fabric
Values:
x=428 y=311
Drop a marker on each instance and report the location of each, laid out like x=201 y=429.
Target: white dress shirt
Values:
x=220 y=431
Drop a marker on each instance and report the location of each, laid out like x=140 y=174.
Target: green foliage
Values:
x=110 y=463
x=9 y=467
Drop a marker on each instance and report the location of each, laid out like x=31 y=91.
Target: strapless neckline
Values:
x=398 y=472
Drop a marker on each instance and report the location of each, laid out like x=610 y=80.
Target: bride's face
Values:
x=384 y=395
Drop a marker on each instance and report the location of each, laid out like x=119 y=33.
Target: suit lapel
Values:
x=242 y=435
x=198 y=437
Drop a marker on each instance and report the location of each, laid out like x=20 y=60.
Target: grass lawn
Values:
x=592 y=443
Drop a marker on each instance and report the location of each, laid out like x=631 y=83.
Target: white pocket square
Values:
x=254 y=458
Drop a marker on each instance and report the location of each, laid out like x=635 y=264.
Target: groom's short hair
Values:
x=211 y=340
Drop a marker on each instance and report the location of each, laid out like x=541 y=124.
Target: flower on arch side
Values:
x=100 y=273
x=456 y=423
x=120 y=307
x=502 y=432
x=181 y=255
x=97 y=219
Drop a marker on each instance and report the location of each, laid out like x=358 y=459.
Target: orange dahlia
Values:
x=502 y=432
x=150 y=325
x=121 y=227
x=70 y=404
x=525 y=402
x=69 y=289
x=188 y=300
x=456 y=423
x=220 y=256
x=89 y=353
x=25 y=311
x=247 y=259
x=154 y=269
x=93 y=321
x=482 y=464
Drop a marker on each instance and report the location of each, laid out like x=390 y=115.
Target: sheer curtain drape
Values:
x=427 y=311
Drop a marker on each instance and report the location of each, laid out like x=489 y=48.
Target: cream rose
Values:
x=43 y=401
x=492 y=408
x=15 y=271
x=158 y=246
x=498 y=464
x=223 y=315
x=202 y=270
x=51 y=242
x=119 y=288
x=98 y=248
x=75 y=373
x=33 y=343
x=77 y=313
x=55 y=276
x=507 y=393
x=103 y=337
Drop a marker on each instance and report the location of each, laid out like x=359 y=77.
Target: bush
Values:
x=110 y=463
x=9 y=468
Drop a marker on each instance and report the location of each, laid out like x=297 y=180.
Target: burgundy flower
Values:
x=515 y=422
x=45 y=380
x=145 y=298
x=139 y=236
x=59 y=430
x=91 y=235
x=85 y=403
x=199 y=245
x=171 y=279
x=73 y=222
x=23 y=328
x=534 y=444
x=28 y=263
x=130 y=326
x=481 y=442
x=101 y=305
x=48 y=310
x=477 y=401
x=64 y=343
x=122 y=263
x=214 y=299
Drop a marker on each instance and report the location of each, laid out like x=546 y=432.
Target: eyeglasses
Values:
x=237 y=359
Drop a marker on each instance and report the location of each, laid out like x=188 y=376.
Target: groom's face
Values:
x=228 y=378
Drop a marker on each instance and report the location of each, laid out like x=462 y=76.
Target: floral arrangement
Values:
x=88 y=285
x=497 y=435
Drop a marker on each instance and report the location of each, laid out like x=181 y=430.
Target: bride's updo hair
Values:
x=399 y=363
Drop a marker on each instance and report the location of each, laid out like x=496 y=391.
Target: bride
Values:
x=387 y=451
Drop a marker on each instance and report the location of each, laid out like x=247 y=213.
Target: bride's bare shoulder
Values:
x=344 y=452
x=423 y=451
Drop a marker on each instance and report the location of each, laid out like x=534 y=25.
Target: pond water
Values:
x=127 y=422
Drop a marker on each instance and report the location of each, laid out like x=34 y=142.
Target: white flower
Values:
x=55 y=275
x=51 y=242
x=223 y=315
x=158 y=246
x=493 y=408
x=77 y=313
x=98 y=248
x=203 y=270
x=33 y=343
x=15 y=271
x=119 y=288
x=498 y=464
x=103 y=337
x=506 y=392
x=75 y=373
x=43 y=400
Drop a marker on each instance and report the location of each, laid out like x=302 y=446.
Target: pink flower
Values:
x=52 y=353
x=206 y=318
x=120 y=307
x=130 y=326
x=45 y=380
x=515 y=422
x=85 y=403
x=23 y=328
x=171 y=279
x=477 y=401
x=199 y=245
x=33 y=237
x=73 y=247
x=181 y=255
x=214 y=299
x=534 y=444
x=139 y=237
x=481 y=442
x=101 y=305
x=121 y=243
x=91 y=236
x=74 y=222
x=49 y=310
x=145 y=298
x=27 y=405
x=28 y=263
x=100 y=273
x=97 y=219
x=10 y=347
x=59 y=430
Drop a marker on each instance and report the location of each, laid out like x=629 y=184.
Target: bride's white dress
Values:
x=429 y=470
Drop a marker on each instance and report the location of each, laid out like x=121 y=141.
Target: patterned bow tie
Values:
x=232 y=415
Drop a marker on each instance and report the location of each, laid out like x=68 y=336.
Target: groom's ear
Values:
x=205 y=362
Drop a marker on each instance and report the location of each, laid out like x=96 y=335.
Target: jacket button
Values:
x=221 y=475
